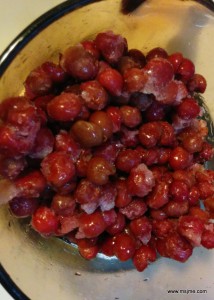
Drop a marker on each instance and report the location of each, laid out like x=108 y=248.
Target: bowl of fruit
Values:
x=106 y=153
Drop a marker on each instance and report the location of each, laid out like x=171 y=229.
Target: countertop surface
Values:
x=15 y=15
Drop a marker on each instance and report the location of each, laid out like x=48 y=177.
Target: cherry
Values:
x=123 y=197
x=94 y=95
x=159 y=195
x=186 y=69
x=207 y=238
x=126 y=62
x=114 y=113
x=188 y=109
x=111 y=46
x=176 y=209
x=118 y=226
x=179 y=190
x=155 y=112
x=64 y=142
x=174 y=246
x=141 y=228
x=92 y=225
x=141 y=101
x=88 y=134
x=180 y=158
x=79 y=63
x=99 y=170
x=134 y=80
x=160 y=73
x=58 y=168
x=128 y=137
x=43 y=144
x=45 y=221
x=191 y=227
x=137 y=56
x=194 y=195
x=65 y=107
x=197 y=84
x=140 y=181
x=38 y=83
x=131 y=116
x=107 y=246
x=156 y=52
x=135 y=209
x=63 y=204
x=102 y=119
x=124 y=246
x=161 y=228
x=23 y=207
x=109 y=216
x=108 y=150
x=150 y=134
x=56 y=73
x=31 y=184
x=91 y=47
x=111 y=80
x=143 y=256
x=176 y=59
x=199 y=213
x=12 y=167
x=87 y=192
x=127 y=159
x=88 y=248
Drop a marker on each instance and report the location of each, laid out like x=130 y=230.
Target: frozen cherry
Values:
x=64 y=142
x=111 y=46
x=87 y=192
x=91 y=47
x=94 y=95
x=143 y=256
x=142 y=229
x=31 y=184
x=58 y=168
x=135 y=209
x=140 y=181
x=38 y=83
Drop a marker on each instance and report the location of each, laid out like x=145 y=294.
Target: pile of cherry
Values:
x=107 y=149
